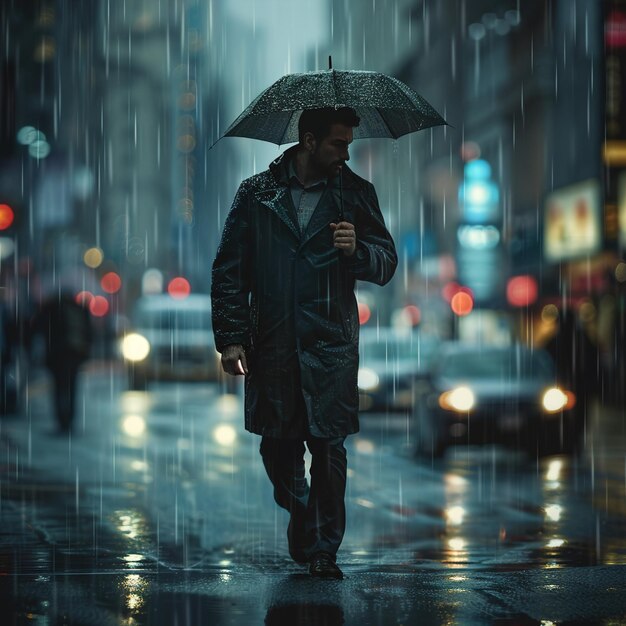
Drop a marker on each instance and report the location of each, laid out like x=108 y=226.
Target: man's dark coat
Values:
x=289 y=299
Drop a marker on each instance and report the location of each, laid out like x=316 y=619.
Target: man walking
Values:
x=297 y=238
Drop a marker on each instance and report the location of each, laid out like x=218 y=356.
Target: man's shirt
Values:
x=305 y=199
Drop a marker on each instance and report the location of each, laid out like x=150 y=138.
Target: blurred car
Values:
x=479 y=394
x=390 y=363
x=170 y=339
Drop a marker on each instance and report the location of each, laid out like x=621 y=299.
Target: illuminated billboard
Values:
x=572 y=224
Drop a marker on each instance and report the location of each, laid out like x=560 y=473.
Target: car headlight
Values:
x=460 y=399
x=368 y=379
x=135 y=347
x=555 y=400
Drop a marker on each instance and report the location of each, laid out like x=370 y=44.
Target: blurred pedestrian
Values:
x=68 y=335
x=285 y=315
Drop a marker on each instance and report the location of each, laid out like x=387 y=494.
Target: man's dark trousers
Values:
x=318 y=512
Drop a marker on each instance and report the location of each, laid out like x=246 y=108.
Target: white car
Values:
x=171 y=339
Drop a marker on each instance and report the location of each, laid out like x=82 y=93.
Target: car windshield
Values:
x=175 y=319
x=395 y=349
x=497 y=364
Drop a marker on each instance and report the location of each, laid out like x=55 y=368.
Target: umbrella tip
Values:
x=330 y=62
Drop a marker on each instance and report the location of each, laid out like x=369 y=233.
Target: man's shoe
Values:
x=323 y=565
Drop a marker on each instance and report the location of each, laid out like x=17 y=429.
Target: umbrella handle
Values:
x=341 y=194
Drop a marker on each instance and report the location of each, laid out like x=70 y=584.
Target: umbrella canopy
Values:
x=387 y=107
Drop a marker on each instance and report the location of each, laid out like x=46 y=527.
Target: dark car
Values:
x=390 y=363
x=476 y=394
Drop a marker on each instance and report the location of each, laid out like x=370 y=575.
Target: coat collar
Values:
x=278 y=199
x=279 y=168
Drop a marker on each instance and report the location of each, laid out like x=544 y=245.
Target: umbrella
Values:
x=387 y=107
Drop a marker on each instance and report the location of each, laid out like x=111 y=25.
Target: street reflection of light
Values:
x=455 y=515
x=554 y=470
x=130 y=524
x=225 y=435
x=133 y=601
x=547 y=622
x=135 y=587
x=133 y=560
x=456 y=544
x=553 y=512
x=457 y=579
x=225 y=578
x=134 y=425
x=368 y=504
x=135 y=402
x=364 y=446
x=228 y=403
x=556 y=543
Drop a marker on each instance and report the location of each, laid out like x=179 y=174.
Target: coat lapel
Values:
x=326 y=211
x=278 y=200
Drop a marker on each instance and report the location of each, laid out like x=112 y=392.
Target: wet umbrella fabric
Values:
x=387 y=107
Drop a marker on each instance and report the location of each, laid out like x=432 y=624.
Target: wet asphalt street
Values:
x=158 y=511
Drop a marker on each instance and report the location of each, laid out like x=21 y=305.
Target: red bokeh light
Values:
x=6 y=216
x=179 y=288
x=111 y=282
x=99 y=306
x=84 y=298
x=522 y=291
x=413 y=314
x=462 y=303
x=364 y=313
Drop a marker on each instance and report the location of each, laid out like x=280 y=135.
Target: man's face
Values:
x=332 y=152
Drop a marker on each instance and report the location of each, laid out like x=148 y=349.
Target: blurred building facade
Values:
x=522 y=86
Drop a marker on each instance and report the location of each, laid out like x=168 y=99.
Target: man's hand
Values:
x=234 y=360
x=344 y=237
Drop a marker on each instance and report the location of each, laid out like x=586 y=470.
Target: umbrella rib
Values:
x=382 y=117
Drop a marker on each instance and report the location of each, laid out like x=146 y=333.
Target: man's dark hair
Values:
x=319 y=121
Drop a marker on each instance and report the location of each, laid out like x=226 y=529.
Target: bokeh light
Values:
x=99 y=306
x=93 y=257
x=364 y=313
x=462 y=303
x=111 y=282
x=179 y=288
